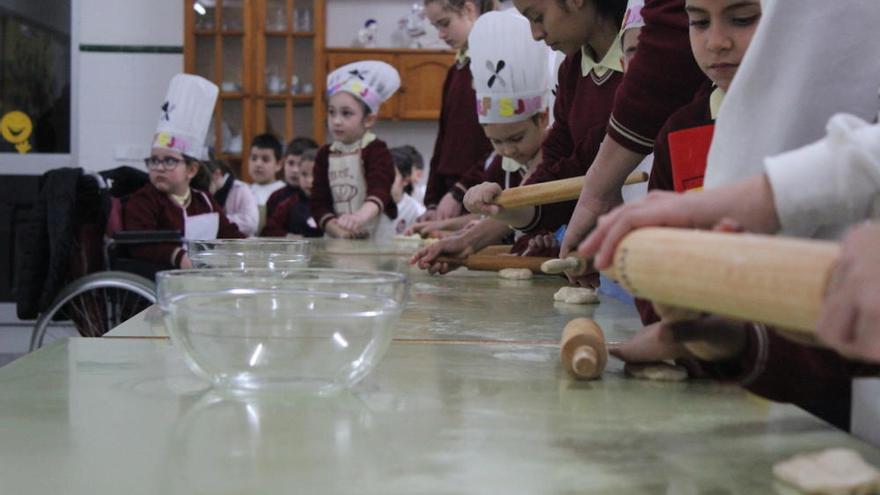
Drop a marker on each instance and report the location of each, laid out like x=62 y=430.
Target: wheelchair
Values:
x=88 y=280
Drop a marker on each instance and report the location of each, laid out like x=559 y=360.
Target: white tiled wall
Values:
x=120 y=93
x=119 y=103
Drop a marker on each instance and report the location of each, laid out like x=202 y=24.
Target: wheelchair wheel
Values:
x=96 y=303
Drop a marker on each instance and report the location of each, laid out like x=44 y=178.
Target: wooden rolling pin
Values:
x=582 y=349
x=496 y=249
x=494 y=263
x=772 y=280
x=574 y=265
x=555 y=191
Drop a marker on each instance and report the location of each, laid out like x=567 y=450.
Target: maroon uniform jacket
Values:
x=151 y=209
x=461 y=149
x=662 y=77
x=581 y=113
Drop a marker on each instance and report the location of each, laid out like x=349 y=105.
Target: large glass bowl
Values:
x=313 y=329
x=256 y=253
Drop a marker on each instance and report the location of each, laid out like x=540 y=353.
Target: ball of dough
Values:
x=659 y=372
x=515 y=273
x=837 y=471
x=576 y=295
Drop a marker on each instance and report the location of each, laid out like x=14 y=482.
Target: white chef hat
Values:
x=510 y=69
x=633 y=17
x=186 y=116
x=370 y=81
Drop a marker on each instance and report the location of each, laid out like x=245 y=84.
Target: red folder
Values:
x=688 y=152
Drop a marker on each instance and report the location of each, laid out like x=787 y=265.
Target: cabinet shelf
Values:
x=253 y=57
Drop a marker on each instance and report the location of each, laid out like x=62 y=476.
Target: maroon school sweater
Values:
x=461 y=149
x=690 y=160
x=379 y=173
x=151 y=209
x=815 y=379
x=583 y=106
x=662 y=77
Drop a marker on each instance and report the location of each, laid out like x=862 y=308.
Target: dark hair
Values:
x=202 y=179
x=299 y=145
x=609 y=9
x=269 y=142
x=406 y=158
x=221 y=165
x=483 y=6
x=309 y=155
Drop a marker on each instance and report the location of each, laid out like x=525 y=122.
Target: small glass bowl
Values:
x=319 y=330
x=255 y=253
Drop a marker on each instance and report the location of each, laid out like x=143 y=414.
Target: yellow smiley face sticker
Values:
x=16 y=127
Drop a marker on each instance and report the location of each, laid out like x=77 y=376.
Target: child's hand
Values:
x=185 y=262
x=850 y=317
x=481 y=199
x=333 y=229
x=426 y=257
x=428 y=216
x=448 y=207
x=542 y=245
x=350 y=222
x=709 y=339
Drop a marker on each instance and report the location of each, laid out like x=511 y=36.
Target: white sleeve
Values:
x=832 y=182
x=242 y=209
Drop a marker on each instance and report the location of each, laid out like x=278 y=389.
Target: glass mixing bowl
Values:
x=314 y=329
x=269 y=253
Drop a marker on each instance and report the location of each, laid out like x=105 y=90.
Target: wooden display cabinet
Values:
x=422 y=73
x=267 y=58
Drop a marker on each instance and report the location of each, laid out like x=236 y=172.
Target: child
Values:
x=264 y=163
x=719 y=39
x=167 y=202
x=292 y=156
x=408 y=209
x=351 y=196
x=461 y=148
x=512 y=109
x=293 y=215
x=588 y=79
x=235 y=196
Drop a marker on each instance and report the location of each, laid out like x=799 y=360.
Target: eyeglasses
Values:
x=166 y=164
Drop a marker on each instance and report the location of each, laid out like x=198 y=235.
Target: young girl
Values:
x=167 y=202
x=351 y=196
x=512 y=82
x=461 y=149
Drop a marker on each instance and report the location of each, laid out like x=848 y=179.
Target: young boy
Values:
x=168 y=202
x=292 y=156
x=235 y=196
x=264 y=164
x=408 y=208
x=512 y=110
x=293 y=215
x=351 y=196
x=292 y=159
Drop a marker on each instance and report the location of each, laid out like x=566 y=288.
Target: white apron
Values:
x=348 y=184
x=202 y=227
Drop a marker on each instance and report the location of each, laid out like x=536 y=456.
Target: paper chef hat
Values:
x=633 y=17
x=370 y=81
x=186 y=116
x=511 y=70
